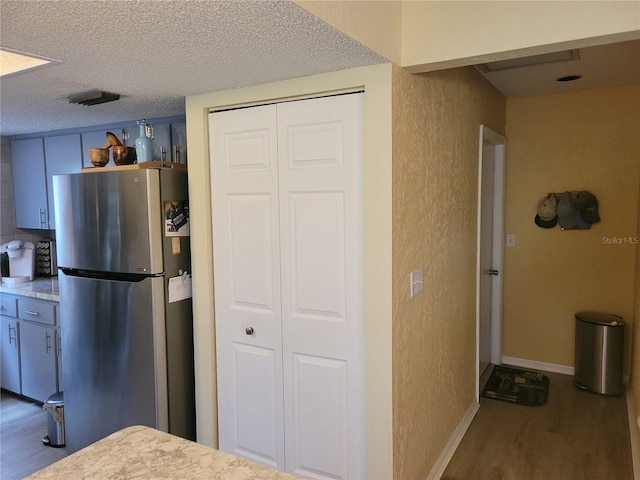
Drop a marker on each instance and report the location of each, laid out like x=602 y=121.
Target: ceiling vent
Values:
x=563 y=56
x=93 y=97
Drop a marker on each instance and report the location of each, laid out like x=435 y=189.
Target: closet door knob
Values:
x=249 y=330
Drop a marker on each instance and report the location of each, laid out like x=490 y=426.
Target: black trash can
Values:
x=599 y=353
x=55 y=422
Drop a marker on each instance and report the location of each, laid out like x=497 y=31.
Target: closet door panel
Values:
x=256 y=430
x=321 y=434
x=317 y=256
x=321 y=218
x=244 y=182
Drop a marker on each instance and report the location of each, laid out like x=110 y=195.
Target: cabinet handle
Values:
x=35 y=314
x=48 y=341
x=42 y=213
x=163 y=153
x=59 y=341
x=248 y=330
x=12 y=334
x=2 y=308
x=176 y=154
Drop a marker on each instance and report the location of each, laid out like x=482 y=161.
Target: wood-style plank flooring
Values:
x=22 y=426
x=577 y=435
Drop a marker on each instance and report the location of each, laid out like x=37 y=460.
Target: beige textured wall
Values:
x=586 y=140
x=436 y=120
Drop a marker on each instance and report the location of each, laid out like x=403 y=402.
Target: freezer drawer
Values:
x=113 y=355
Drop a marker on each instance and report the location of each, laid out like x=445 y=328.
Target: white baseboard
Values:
x=443 y=460
x=535 y=365
x=546 y=367
x=634 y=430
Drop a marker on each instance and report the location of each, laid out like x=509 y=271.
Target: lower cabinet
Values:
x=38 y=354
x=9 y=354
x=30 y=347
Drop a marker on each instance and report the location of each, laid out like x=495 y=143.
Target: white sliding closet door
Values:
x=288 y=254
x=321 y=211
x=246 y=254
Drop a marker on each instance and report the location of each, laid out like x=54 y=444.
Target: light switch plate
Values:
x=417 y=282
x=511 y=240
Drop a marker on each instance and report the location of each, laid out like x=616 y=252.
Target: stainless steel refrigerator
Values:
x=125 y=304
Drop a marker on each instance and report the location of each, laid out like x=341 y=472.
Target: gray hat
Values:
x=547 y=217
x=587 y=206
x=567 y=212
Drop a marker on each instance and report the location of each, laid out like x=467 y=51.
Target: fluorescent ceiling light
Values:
x=13 y=62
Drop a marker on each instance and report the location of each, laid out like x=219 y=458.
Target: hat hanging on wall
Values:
x=575 y=210
x=567 y=212
x=587 y=206
x=547 y=216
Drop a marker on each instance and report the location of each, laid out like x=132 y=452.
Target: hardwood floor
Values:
x=577 y=435
x=22 y=426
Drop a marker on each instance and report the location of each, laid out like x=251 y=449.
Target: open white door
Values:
x=490 y=232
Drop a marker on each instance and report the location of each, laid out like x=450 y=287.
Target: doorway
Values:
x=491 y=177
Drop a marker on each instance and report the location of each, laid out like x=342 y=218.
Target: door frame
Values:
x=499 y=143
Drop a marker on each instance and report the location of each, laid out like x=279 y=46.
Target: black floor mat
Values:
x=517 y=386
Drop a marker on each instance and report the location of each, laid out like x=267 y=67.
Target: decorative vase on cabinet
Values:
x=144 y=143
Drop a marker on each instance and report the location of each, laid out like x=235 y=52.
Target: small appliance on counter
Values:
x=21 y=261
x=46 y=264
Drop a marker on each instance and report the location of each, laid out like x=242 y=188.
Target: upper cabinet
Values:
x=34 y=163
x=179 y=142
x=62 y=154
x=36 y=160
x=29 y=183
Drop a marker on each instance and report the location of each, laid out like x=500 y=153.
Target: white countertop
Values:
x=142 y=453
x=45 y=288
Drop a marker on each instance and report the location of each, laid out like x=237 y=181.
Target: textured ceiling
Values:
x=154 y=53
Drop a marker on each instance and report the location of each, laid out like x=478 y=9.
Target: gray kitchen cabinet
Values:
x=38 y=349
x=59 y=351
x=128 y=135
x=29 y=183
x=161 y=142
x=179 y=142
x=9 y=345
x=63 y=154
x=10 y=354
x=38 y=360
